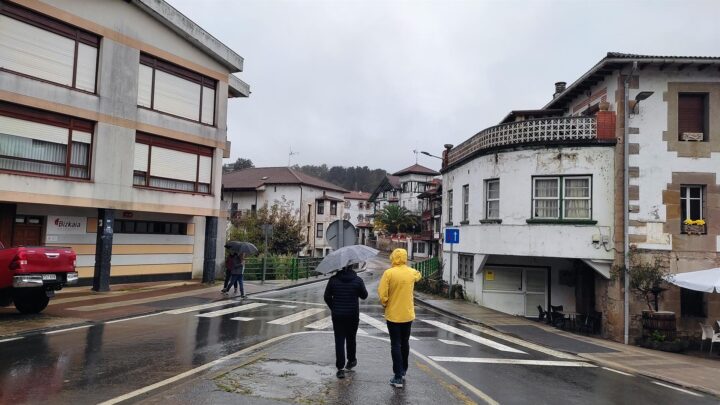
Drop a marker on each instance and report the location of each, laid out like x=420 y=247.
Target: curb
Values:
x=592 y=359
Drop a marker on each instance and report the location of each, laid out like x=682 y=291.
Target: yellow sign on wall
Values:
x=489 y=275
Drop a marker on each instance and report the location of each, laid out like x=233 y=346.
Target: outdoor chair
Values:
x=541 y=313
x=708 y=333
x=555 y=317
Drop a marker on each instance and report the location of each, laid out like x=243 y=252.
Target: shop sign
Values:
x=60 y=225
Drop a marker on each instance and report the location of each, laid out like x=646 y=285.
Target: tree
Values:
x=350 y=178
x=394 y=218
x=287 y=236
x=646 y=279
x=239 y=164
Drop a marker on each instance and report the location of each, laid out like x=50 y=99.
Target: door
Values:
x=7 y=215
x=515 y=290
x=27 y=231
x=535 y=290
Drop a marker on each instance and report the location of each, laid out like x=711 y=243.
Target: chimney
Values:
x=448 y=146
x=559 y=88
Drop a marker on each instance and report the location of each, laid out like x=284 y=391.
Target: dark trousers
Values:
x=226 y=283
x=399 y=346
x=345 y=330
x=235 y=280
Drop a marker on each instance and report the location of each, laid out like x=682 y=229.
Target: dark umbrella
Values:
x=345 y=256
x=238 y=247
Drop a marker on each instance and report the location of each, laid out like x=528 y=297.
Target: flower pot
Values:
x=694 y=229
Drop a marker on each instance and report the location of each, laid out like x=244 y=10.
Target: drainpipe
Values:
x=626 y=200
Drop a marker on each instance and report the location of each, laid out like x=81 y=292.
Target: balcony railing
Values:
x=528 y=132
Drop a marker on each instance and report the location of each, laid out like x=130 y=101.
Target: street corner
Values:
x=301 y=369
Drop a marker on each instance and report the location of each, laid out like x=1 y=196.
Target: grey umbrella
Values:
x=345 y=256
x=238 y=247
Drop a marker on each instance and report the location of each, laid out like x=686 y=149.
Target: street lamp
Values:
x=428 y=154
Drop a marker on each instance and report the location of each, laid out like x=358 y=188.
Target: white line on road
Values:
x=296 y=316
x=242 y=319
x=676 y=388
x=52 y=332
x=288 y=306
x=116 y=304
x=288 y=301
x=454 y=343
x=321 y=324
x=381 y=326
x=556 y=363
x=473 y=337
x=361 y=332
x=618 y=371
x=201 y=307
x=520 y=342
x=133 y=318
x=11 y=339
x=239 y=308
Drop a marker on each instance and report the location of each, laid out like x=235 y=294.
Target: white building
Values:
x=315 y=202
x=359 y=210
x=113 y=113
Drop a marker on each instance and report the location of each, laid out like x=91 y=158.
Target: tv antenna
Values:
x=415 y=151
x=290 y=155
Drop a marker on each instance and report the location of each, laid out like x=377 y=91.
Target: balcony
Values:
x=556 y=130
x=427 y=214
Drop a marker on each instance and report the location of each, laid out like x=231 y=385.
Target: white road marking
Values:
x=11 y=339
x=201 y=307
x=361 y=332
x=138 y=301
x=296 y=316
x=288 y=306
x=321 y=324
x=454 y=343
x=239 y=308
x=473 y=337
x=52 y=332
x=381 y=326
x=676 y=388
x=618 y=371
x=133 y=318
x=520 y=342
x=556 y=363
x=242 y=319
x=206 y=366
x=288 y=301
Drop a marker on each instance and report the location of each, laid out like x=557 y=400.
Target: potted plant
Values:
x=694 y=227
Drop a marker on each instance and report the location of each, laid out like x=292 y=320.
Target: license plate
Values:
x=49 y=277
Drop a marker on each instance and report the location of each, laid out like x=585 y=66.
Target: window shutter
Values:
x=208 y=105
x=205 y=169
x=691 y=113
x=86 y=65
x=145 y=86
x=176 y=96
x=33 y=130
x=172 y=164
x=141 y=157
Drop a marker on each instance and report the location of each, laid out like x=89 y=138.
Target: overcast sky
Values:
x=367 y=82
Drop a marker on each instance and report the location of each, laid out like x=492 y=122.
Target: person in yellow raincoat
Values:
x=396 y=295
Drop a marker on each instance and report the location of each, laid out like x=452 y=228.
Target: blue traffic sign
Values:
x=452 y=235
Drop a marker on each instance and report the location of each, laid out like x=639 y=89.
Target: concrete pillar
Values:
x=103 y=249
x=211 y=228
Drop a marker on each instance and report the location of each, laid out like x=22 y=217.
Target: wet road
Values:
x=103 y=361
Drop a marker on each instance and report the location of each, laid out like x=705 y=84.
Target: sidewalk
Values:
x=701 y=374
x=76 y=306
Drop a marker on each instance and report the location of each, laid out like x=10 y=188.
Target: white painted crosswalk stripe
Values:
x=200 y=307
x=524 y=343
x=239 y=308
x=381 y=326
x=554 y=363
x=361 y=332
x=242 y=319
x=10 y=339
x=474 y=338
x=676 y=388
x=288 y=306
x=296 y=316
x=321 y=324
x=454 y=343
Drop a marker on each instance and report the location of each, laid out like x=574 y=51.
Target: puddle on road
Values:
x=280 y=380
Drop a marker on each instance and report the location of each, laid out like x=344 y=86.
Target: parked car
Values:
x=30 y=275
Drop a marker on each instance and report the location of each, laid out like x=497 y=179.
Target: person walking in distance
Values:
x=396 y=295
x=228 y=274
x=237 y=268
x=341 y=295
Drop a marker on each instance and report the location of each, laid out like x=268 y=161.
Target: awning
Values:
x=702 y=280
x=601 y=266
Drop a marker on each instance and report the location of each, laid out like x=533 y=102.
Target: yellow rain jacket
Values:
x=396 y=288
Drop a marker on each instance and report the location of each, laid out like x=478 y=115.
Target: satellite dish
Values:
x=349 y=236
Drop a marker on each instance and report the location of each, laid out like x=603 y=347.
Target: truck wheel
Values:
x=31 y=302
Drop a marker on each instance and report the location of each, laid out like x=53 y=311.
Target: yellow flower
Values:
x=700 y=222
x=688 y=221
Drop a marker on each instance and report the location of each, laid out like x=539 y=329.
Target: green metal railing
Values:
x=429 y=267
x=280 y=267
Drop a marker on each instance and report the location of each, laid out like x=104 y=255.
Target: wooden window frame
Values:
x=320 y=207
x=688 y=200
x=180 y=146
x=561 y=198
x=178 y=71
x=58 y=120
x=705 y=114
x=450 y=206
x=333 y=208
x=488 y=200
x=466 y=203
x=50 y=24
x=319 y=231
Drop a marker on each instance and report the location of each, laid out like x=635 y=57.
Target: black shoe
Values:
x=242 y=295
x=350 y=365
x=396 y=382
x=340 y=374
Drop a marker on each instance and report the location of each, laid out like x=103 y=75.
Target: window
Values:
x=562 y=198
x=333 y=207
x=465 y=267
x=466 y=203
x=419 y=247
x=42 y=47
x=36 y=141
x=172 y=165
x=360 y=205
x=691 y=202
x=319 y=231
x=492 y=199
x=149 y=227
x=692 y=303
x=692 y=117
x=450 y=205
x=347 y=204
x=168 y=88
x=360 y=218
x=320 y=207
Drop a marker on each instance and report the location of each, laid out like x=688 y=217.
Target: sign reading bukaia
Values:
x=62 y=225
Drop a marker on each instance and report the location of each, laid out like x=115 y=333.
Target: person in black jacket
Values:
x=341 y=295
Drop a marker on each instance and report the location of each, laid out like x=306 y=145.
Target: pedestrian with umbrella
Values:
x=341 y=294
x=235 y=265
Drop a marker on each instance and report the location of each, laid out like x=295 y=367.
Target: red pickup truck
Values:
x=29 y=275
